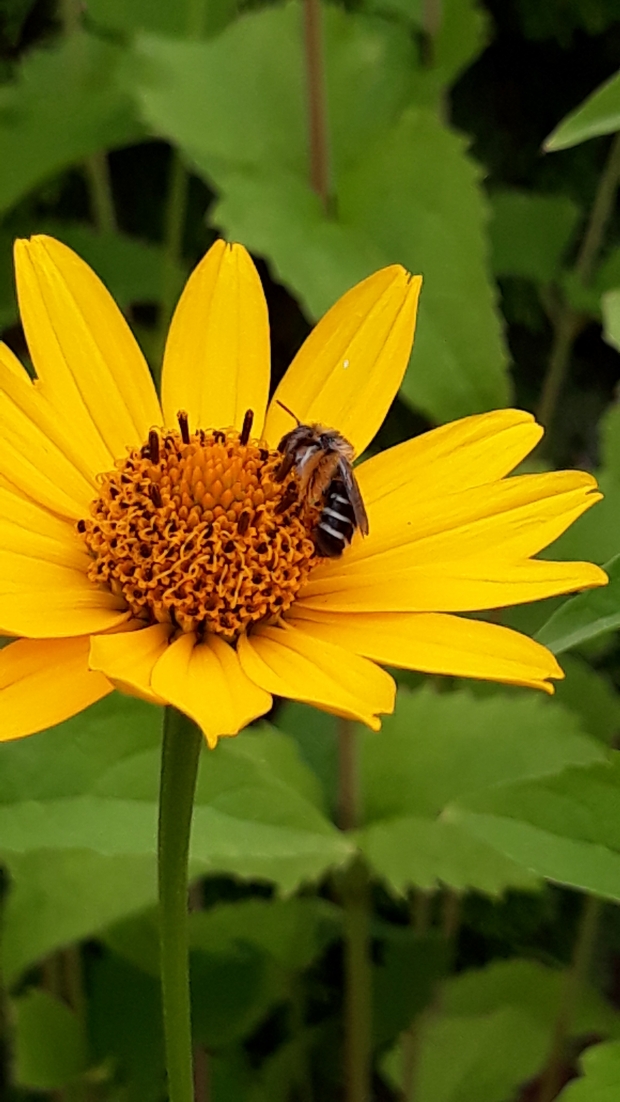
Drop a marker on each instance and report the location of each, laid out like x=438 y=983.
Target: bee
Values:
x=322 y=459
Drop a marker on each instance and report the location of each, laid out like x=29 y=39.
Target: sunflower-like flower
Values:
x=160 y=549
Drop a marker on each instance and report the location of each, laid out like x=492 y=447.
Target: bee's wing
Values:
x=359 y=510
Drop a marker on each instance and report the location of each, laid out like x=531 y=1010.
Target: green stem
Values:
x=96 y=166
x=181 y=746
x=569 y=322
x=318 y=137
x=100 y=187
x=551 y=1080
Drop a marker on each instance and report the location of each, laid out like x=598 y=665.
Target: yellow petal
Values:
x=206 y=681
x=347 y=373
x=20 y=391
x=466 y=453
x=216 y=363
x=32 y=454
x=467 y=586
x=289 y=662
x=28 y=529
x=89 y=364
x=514 y=518
x=43 y=682
x=127 y=657
x=438 y=643
x=43 y=600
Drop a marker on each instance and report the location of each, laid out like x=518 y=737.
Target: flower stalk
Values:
x=182 y=742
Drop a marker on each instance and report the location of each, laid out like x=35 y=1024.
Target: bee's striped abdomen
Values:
x=335 y=529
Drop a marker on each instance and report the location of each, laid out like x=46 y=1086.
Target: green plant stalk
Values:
x=98 y=175
x=568 y=322
x=551 y=1080
x=181 y=746
x=318 y=127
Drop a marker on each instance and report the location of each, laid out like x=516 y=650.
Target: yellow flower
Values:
x=166 y=555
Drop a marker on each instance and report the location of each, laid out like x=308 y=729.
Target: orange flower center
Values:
x=197 y=531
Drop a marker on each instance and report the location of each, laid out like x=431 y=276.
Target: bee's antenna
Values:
x=289 y=411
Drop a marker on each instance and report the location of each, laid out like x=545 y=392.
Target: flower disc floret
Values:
x=197 y=531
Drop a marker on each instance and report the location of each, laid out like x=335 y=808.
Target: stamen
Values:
x=154 y=446
x=243 y=523
x=183 y=420
x=155 y=495
x=247 y=427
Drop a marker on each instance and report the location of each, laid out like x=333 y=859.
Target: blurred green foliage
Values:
x=485 y=810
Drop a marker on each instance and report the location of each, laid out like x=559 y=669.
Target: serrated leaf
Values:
x=419 y=851
x=50 y=1049
x=433 y=751
x=79 y=803
x=496 y=1023
x=598 y=114
x=600 y=1065
x=564 y=828
x=591 y=695
x=65 y=105
x=586 y=616
x=435 y=222
x=530 y=233
x=237 y=109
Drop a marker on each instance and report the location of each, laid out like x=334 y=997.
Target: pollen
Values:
x=195 y=530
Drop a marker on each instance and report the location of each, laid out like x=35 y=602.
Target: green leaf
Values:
x=50 y=1050
x=236 y=108
x=600 y=1066
x=610 y=305
x=65 y=105
x=194 y=90
x=293 y=932
x=405 y=980
x=78 y=814
x=530 y=233
x=232 y=993
x=126 y=1029
x=59 y=896
x=497 y=1024
x=598 y=114
x=590 y=694
x=434 y=222
x=316 y=735
x=563 y=828
x=586 y=616
x=160 y=16
x=416 y=851
x=436 y=749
